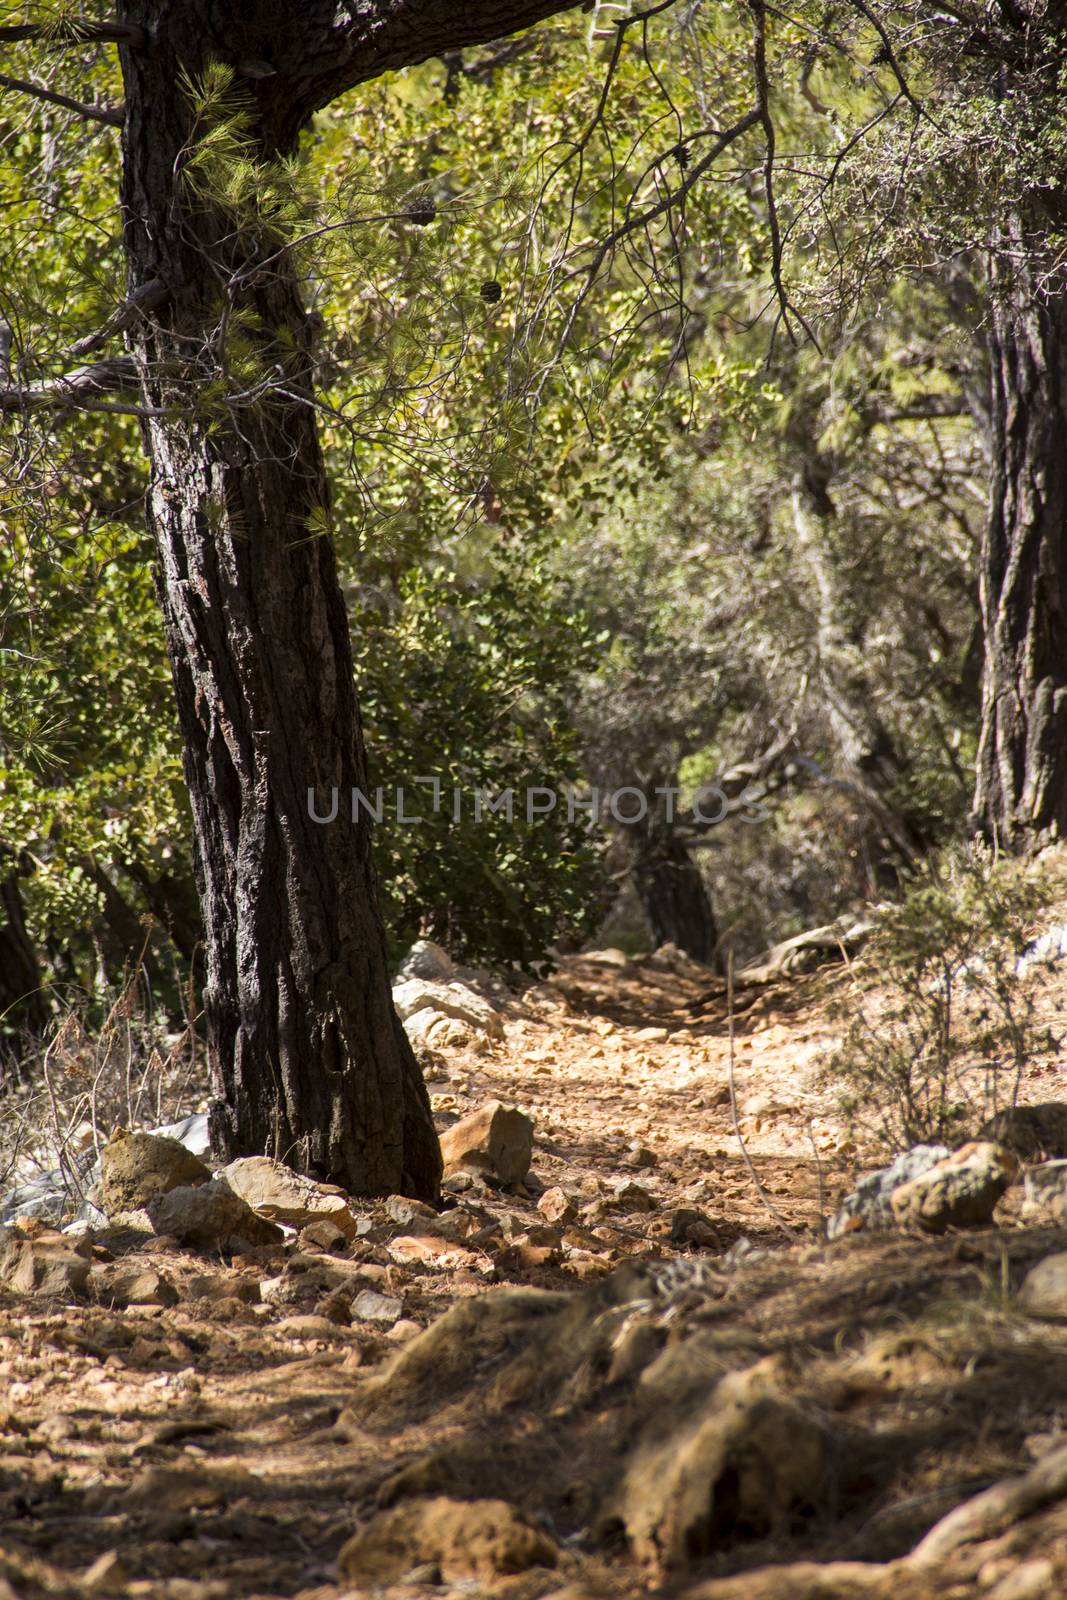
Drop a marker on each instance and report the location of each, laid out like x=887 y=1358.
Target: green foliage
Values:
x=90 y=770
x=466 y=683
x=942 y=1024
x=270 y=201
x=658 y=442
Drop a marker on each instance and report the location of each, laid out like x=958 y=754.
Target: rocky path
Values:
x=675 y=1382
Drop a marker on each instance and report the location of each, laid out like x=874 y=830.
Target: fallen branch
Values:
x=840 y=939
x=995 y=1509
x=984 y=1517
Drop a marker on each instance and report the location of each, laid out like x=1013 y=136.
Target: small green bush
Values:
x=943 y=1023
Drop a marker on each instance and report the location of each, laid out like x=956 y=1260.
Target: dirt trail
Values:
x=210 y=1448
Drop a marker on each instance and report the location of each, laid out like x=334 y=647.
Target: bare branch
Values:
x=145 y=299
x=644 y=219
x=894 y=65
x=759 y=60
x=112 y=117
x=78 y=389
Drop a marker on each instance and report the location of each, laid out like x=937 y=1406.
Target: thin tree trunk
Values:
x=867 y=751
x=1021 y=791
x=308 y=1059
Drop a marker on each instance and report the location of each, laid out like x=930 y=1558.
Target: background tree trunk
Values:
x=868 y=755
x=308 y=1060
x=1021 y=791
x=673 y=897
x=22 y=1001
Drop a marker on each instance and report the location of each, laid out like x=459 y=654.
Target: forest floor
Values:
x=230 y=1444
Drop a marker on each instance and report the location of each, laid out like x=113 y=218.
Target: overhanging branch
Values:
x=337 y=47
x=74 y=32
x=112 y=117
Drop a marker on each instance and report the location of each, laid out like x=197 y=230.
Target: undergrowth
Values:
x=942 y=1017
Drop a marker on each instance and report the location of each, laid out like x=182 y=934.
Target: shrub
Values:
x=945 y=1018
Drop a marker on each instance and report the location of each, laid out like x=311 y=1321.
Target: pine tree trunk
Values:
x=308 y=1060
x=1021 y=793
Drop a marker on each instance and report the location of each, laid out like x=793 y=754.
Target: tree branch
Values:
x=76 y=33
x=337 y=47
x=81 y=389
x=641 y=220
x=145 y=299
x=111 y=117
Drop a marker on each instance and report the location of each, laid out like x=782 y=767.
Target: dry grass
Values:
x=77 y=1086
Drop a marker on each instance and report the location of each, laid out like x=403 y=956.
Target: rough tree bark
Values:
x=1021 y=791
x=308 y=1059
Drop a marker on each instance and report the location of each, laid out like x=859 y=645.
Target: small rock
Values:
x=611 y=957
x=276 y=1191
x=428 y=1250
x=481 y=1539
x=671 y=959
x=628 y=1196
x=461 y=1223
x=194 y=1132
x=449 y=1000
x=692 y=1227
x=370 y=1306
x=137 y=1168
x=130 y=1284
x=642 y=1157
x=311 y=1326
x=495 y=1138
x=959 y=1192
x=322 y=1235
x=463 y=1182
x=49 y=1264
x=1044 y=1289
x=398 y=1208
x=868 y=1204
x=211 y=1216
x=555 y=1205
x=403 y=1330
x=161 y=1488
x=426 y=960
x=218 y=1286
